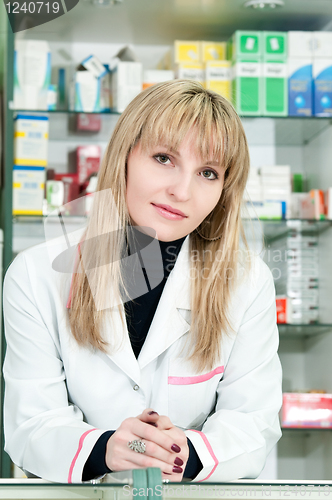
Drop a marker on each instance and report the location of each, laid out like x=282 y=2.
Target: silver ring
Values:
x=137 y=445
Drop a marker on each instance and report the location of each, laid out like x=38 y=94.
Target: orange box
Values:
x=284 y=309
x=306 y=410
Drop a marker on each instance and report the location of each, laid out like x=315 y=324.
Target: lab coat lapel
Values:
x=168 y=324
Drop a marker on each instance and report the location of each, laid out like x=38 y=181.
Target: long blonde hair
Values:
x=163 y=114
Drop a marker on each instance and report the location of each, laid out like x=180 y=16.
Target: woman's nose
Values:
x=181 y=187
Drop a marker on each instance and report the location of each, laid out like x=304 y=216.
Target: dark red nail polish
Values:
x=177 y=469
x=176 y=448
x=178 y=461
x=153 y=413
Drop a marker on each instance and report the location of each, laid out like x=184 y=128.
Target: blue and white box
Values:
x=300 y=87
x=322 y=75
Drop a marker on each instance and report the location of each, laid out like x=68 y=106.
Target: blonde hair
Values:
x=164 y=114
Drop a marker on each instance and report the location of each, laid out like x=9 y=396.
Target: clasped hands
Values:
x=165 y=446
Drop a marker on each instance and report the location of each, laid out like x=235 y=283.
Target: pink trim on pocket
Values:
x=209 y=447
x=71 y=283
x=195 y=380
x=80 y=446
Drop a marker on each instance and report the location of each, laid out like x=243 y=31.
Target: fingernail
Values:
x=153 y=413
x=153 y=423
x=177 y=469
x=176 y=448
x=178 y=461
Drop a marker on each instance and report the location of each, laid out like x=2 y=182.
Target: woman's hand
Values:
x=162 y=450
x=165 y=425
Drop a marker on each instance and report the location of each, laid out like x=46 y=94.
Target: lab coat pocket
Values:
x=191 y=396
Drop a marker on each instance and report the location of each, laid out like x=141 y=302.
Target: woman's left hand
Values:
x=164 y=424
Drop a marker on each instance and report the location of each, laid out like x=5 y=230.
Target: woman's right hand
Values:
x=160 y=450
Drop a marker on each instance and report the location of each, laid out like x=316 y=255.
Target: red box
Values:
x=92 y=123
x=71 y=187
x=306 y=410
x=88 y=161
x=284 y=309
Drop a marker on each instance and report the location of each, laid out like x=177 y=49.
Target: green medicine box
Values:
x=247 y=87
x=245 y=45
x=274 y=46
x=274 y=94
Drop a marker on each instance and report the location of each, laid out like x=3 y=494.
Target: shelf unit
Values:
x=302 y=142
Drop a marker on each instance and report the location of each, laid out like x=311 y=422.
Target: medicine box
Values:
x=213 y=51
x=32 y=74
x=85 y=92
x=218 y=77
x=306 y=410
x=300 y=87
x=28 y=190
x=153 y=76
x=31 y=140
x=87 y=161
x=274 y=46
x=127 y=82
x=247 y=87
x=300 y=44
x=191 y=71
x=322 y=44
x=187 y=52
x=274 y=89
x=322 y=81
x=245 y=46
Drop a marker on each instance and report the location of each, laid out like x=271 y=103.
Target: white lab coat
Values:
x=61 y=397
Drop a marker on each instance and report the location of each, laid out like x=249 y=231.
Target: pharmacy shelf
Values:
x=306 y=330
x=306 y=429
x=282 y=131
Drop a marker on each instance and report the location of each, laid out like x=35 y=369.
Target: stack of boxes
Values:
x=268 y=192
x=30 y=162
x=297 y=283
x=201 y=61
x=259 y=81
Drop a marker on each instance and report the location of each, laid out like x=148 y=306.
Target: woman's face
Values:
x=178 y=179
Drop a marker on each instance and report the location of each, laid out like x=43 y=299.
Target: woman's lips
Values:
x=168 y=215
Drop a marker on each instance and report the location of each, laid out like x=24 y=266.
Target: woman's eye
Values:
x=210 y=172
x=162 y=159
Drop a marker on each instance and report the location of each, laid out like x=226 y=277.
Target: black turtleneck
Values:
x=139 y=315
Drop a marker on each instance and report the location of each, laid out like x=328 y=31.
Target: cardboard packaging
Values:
x=31 y=140
x=218 y=77
x=284 y=309
x=153 y=76
x=126 y=78
x=88 y=161
x=312 y=206
x=71 y=189
x=274 y=89
x=300 y=87
x=28 y=190
x=245 y=46
x=191 y=71
x=247 y=87
x=213 y=51
x=322 y=44
x=32 y=74
x=85 y=92
x=300 y=44
x=322 y=82
x=306 y=410
x=274 y=46
x=187 y=52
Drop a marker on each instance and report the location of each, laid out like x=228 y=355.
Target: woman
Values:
x=192 y=382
